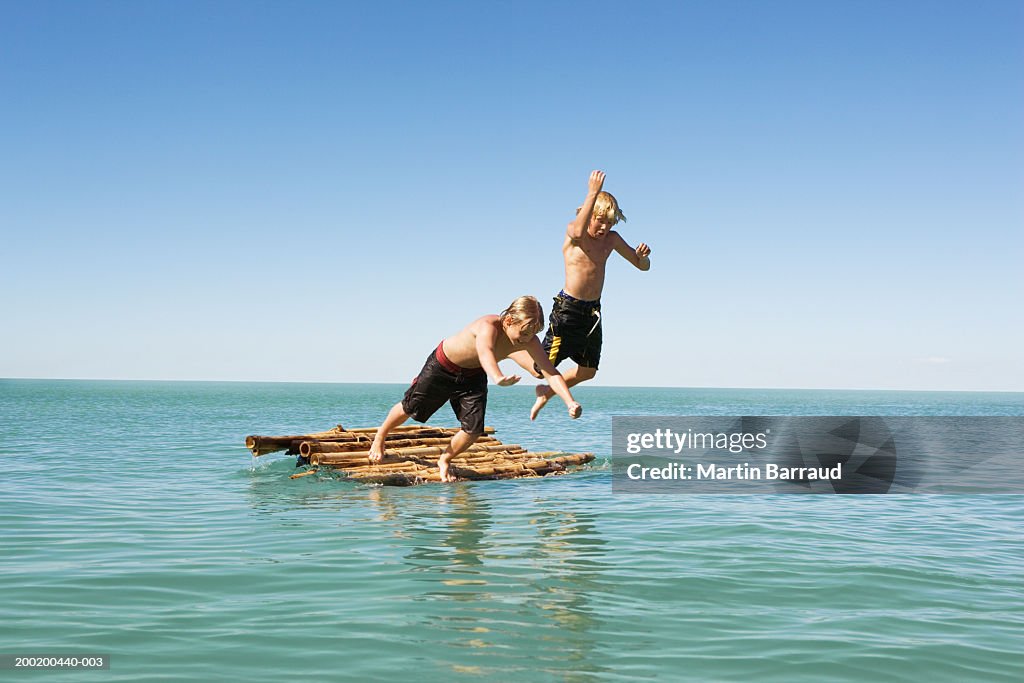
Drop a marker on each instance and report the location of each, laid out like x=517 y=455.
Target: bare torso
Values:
x=461 y=348
x=585 y=260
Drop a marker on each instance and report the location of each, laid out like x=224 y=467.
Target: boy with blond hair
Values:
x=457 y=370
x=575 y=324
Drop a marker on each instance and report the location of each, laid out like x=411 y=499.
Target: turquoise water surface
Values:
x=135 y=524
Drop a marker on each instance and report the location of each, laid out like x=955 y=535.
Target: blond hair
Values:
x=525 y=309
x=606 y=208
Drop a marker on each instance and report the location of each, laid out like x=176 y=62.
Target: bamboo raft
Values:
x=410 y=455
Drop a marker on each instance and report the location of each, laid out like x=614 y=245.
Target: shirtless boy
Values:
x=575 y=329
x=457 y=372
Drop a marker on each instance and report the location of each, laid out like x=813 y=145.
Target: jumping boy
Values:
x=457 y=372
x=575 y=324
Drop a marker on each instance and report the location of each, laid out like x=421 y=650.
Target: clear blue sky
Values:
x=320 y=191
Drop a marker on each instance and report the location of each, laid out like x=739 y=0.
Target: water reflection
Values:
x=495 y=579
x=501 y=579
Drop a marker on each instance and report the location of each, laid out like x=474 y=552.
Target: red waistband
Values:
x=452 y=367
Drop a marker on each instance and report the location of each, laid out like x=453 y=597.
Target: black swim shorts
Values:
x=574 y=331
x=441 y=380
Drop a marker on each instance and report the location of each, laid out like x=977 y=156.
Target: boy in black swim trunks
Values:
x=575 y=330
x=456 y=372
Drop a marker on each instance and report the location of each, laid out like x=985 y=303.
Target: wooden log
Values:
x=436 y=450
x=366 y=439
x=362 y=458
x=393 y=467
x=575 y=459
x=485 y=472
x=408 y=473
x=547 y=468
x=399 y=478
x=432 y=452
x=523 y=467
x=348 y=442
x=557 y=465
x=407 y=428
x=261 y=445
x=403 y=453
x=399 y=428
x=476 y=455
x=306 y=448
x=540 y=465
x=563 y=457
x=487 y=456
x=339 y=460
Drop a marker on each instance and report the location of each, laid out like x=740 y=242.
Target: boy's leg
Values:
x=395 y=417
x=574 y=341
x=470 y=406
x=572 y=377
x=425 y=395
x=459 y=443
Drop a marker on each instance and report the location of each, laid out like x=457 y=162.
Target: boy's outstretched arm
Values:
x=554 y=378
x=486 y=335
x=582 y=220
x=639 y=257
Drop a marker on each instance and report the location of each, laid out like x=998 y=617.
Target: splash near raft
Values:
x=411 y=454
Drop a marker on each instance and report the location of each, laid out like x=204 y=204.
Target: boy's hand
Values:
x=575 y=410
x=507 y=380
x=596 y=181
x=642 y=250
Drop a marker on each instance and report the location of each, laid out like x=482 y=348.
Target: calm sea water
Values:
x=135 y=524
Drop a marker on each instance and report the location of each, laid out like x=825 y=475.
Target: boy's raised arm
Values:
x=582 y=220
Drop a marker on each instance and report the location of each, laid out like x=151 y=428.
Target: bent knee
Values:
x=584 y=373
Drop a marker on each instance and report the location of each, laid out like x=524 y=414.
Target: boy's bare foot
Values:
x=544 y=392
x=376 y=452
x=443 y=466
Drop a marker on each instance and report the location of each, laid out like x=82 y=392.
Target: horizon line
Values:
x=609 y=386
